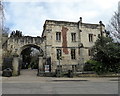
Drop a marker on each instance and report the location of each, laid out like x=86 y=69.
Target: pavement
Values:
x=29 y=83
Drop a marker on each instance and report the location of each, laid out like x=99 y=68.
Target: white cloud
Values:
x=105 y=4
x=29 y=17
x=42 y=0
x=26 y=18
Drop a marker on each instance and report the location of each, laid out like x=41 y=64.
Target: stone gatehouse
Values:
x=62 y=43
x=71 y=40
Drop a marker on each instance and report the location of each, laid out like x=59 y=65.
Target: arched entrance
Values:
x=30 y=57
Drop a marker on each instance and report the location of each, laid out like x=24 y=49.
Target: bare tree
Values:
x=114 y=26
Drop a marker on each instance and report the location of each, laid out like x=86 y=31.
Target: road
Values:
x=29 y=83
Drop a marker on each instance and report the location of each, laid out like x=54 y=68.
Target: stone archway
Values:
x=31 y=45
x=28 y=64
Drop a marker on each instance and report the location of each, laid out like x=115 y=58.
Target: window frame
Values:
x=58 y=36
x=73 y=54
x=57 y=54
x=73 y=37
x=90 y=37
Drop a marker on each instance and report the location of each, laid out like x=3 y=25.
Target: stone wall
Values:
x=18 y=44
x=49 y=44
x=82 y=31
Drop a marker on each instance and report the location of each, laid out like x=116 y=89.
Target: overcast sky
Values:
x=29 y=16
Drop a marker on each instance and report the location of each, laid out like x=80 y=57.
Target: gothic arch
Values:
x=31 y=45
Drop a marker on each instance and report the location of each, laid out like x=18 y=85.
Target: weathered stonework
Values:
x=81 y=45
x=15 y=66
x=18 y=44
x=64 y=37
x=48 y=44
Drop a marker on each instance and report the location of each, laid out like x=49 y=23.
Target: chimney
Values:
x=80 y=23
x=101 y=28
x=80 y=19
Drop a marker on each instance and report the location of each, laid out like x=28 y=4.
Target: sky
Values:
x=29 y=16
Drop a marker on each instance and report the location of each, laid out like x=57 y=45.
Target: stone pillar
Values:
x=15 y=66
x=81 y=64
x=40 y=66
x=40 y=63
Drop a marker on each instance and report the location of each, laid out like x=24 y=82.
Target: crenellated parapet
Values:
x=15 y=44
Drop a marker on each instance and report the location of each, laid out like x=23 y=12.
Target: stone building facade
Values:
x=69 y=43
x=63 y=43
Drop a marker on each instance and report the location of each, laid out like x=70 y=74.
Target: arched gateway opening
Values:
x=30 y=57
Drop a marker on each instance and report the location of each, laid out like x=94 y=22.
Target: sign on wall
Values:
x=46 y=68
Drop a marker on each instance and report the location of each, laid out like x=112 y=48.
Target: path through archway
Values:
x=30 y=58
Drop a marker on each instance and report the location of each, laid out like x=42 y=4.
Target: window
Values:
x=58 y=36
x=59 y=54
x=90 y=52
x=73 y=35
x=90 y=37
x=73 y=55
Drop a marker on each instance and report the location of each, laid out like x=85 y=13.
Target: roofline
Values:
x=60 y=21
x=71 y=22
x=91 y=23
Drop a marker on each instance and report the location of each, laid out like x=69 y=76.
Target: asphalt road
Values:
x=29 y=83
